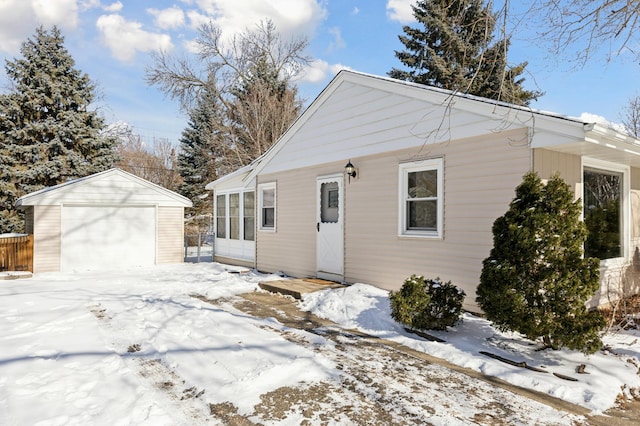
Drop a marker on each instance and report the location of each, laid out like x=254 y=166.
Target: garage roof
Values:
x=112 y=187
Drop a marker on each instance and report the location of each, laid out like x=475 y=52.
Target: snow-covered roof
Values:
x=113 y=186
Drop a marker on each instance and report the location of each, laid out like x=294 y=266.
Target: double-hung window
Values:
x=267 y=206
x=421 y=198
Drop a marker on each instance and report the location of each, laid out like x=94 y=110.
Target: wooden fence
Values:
x=16 y=253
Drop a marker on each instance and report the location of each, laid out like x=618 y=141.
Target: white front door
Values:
x=330 y=228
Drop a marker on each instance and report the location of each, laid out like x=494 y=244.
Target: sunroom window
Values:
x=603 y=213
x=421 y=198
x=221 y=216
x=249 y=216
x=234 y=216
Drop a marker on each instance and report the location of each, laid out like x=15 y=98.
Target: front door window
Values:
x=329 y=202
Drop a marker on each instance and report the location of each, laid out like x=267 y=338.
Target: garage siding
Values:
x=170 y=235
x=109 y=220
x=46 y=240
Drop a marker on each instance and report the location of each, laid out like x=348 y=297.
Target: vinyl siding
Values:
x=363 y=116
x=568 y=166
x=292 y=247
x=635 y=222
x=46 y=238
x=170 y=240
x=635 y=209
x=635 y=178
x=28 y=220
x=480 y=175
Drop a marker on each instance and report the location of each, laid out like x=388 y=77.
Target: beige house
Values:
x=432 y=171
x=106 y=221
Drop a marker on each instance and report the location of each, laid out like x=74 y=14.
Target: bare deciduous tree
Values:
x=585 y=26
x=227 y=63
x=155 y=162
x=631 y=117
x=249 y=76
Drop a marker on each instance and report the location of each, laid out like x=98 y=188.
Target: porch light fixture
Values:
x=350 y=170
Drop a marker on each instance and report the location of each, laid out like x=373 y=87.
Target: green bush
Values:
x=536 y=280
x=427 y=304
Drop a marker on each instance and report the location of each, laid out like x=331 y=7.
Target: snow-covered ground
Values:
x=135 y=347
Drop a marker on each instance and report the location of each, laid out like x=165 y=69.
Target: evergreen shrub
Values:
x=426 y=304
x=536 y=280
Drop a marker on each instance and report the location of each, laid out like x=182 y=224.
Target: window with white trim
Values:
x=267 y=206
x=605 y=209
x=221 y=216
x=235 y=216
x=421 y=201
x=249 y=216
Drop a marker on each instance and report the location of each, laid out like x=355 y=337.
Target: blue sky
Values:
x=112 y=41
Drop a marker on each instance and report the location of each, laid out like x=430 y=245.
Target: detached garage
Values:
x=106 y=221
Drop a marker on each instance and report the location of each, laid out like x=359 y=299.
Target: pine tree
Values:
x=535 y=280
x=48 y=135
x=200 y=147
x=455 y=51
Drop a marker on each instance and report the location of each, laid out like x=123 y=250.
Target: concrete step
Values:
x=296 y=287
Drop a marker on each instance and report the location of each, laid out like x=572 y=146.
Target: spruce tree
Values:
x=48 y=134
x=199 y=148
x=535 y=280
x=455 y=51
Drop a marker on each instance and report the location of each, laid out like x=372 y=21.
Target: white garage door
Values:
x=107 y=237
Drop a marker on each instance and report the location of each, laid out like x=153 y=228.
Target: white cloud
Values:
x=319 y=70
x=172 y=17
x=338 y=42
x=588 y=117
x=19 y=18
x=89 y=4
x=197 y=19
x=113 y=7
x=400 y=10
x=291 y=17
x=125 y=38
x=191 y=46
x=355 y=11
x=16 y=23
x=63 y=13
